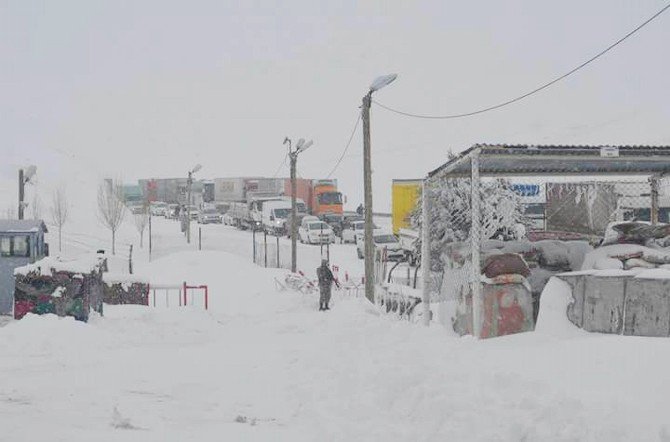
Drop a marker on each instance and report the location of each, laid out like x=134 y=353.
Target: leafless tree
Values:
x=141 y=220
x=36 y=207
x=59 y=213
x=111 y=207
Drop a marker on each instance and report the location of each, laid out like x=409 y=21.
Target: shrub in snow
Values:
x=451 y=213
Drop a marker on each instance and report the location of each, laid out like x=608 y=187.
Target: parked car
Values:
x=299 y=218
x=228 y=219
x=384 y=242
x=158 y=208
x=193 y=212
x=209 y=216
x=137 y=209
x=354 y=229
x=316 y=232
x=172 y=211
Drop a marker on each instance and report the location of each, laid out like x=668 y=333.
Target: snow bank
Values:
x=552 y=318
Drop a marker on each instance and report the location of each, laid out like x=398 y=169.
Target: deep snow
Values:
x=265 y=365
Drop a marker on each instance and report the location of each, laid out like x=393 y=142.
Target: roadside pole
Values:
x=367 y=184
x=294 y=216
x=149 y=236
x=22 y=187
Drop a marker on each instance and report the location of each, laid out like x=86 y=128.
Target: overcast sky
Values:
x=149 y=88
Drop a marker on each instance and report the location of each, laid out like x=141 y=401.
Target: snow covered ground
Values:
x=265 y=365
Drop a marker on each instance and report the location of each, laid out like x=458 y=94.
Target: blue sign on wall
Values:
x=526 y=189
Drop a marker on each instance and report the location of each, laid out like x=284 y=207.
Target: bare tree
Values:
x=141 y=220
x=36 y=207
x=111 y=207
x=59 y=213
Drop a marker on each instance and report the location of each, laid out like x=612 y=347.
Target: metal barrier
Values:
x=182 y=291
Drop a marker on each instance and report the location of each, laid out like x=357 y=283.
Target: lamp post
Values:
x=189 y=183
x=369 y=250
x=24 y=177
x=300 y=147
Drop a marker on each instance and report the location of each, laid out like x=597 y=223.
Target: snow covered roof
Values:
x=83 y=264
x=22 y=225
x=528 y=159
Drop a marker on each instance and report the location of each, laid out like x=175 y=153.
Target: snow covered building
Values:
x=21 y=243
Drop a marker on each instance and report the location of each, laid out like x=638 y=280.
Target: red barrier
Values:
x=197 y=287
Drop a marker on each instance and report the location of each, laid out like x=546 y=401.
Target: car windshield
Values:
x=385 y=239
x=330 y=198
x=318 y=226
x=282 y=213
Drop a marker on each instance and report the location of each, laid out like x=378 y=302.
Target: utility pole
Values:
x=369 y=250
x=22 y=193
x=189 y=183
x=293 y=157
x=301 y=146
x=24 y=177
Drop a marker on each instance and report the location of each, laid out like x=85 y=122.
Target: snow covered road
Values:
x=265 y=365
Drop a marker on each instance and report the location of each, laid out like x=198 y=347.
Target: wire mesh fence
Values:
x=482 y=214
x=268 y=251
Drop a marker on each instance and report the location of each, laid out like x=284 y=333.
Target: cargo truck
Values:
x=404 y=198
x=321 y=196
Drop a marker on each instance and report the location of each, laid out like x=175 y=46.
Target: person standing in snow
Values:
x=359 y=209
x=326 y=280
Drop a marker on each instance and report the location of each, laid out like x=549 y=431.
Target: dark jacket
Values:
x=325 y=276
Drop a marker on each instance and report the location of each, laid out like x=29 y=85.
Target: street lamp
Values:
x=369 y=250
x=300 y=147
x=189 y=182
x=24 y=177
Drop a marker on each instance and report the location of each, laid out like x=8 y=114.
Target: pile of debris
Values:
x=125 y=289
x=62 y=287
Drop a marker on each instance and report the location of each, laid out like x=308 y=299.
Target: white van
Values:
x=275 y=215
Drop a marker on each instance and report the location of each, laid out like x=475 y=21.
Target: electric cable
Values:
x=534 y=91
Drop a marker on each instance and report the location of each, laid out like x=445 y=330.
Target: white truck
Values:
x=276 y=214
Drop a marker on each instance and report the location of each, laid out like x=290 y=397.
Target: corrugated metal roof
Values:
x=528 y=159
x=22 y=225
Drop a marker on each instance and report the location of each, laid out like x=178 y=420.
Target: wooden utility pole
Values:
x=369 y=250
x=189 y=181
x=22 y=187
x=293 y=156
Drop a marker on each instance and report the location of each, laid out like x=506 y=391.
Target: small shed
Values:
x=21 y=243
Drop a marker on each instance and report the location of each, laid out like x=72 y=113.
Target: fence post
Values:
x=265 y=247
x=130 y=260
x=253 y=239
x=185 y=299
x=476 y=232
x=653 y=184
x=199 y=238
x=206 y=297
x=425 y=251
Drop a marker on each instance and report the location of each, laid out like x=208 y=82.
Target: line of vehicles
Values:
x=264 y=204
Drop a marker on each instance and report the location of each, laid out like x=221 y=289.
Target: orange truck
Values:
x=321 y=196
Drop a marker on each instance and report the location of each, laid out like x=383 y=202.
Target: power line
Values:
x=346 y=148
x=283 y=163
x=534 y=91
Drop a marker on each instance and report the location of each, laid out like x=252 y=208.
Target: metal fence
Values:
x=550 y=204
x=268 y=251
